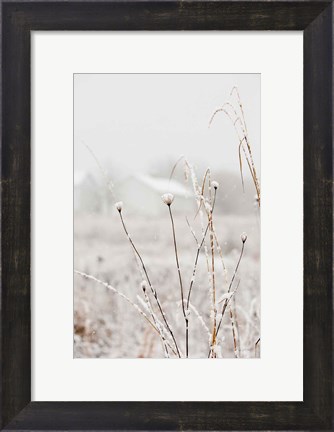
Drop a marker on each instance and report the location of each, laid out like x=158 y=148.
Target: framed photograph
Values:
x=166 y=215
x=156 y=190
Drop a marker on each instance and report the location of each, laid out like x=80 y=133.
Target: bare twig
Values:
x=114 y=290
x=235 y=346
x=150 y=309
x=236 y=321
x=160 y=327
x=256 y=345
x=242 y=139
x=213 y=279
x=108 y=181
x=231 y=283
x=199 y=247
x=153 y=290
x=185 y=313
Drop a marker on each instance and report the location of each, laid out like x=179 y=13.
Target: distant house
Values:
x=86 y=193
x=142 y=193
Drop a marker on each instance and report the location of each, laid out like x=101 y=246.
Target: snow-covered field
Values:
x=106 y=326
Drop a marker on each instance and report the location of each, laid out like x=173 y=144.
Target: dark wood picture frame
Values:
x=315 y=19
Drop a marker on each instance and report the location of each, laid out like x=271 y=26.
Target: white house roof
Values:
x=162 y=185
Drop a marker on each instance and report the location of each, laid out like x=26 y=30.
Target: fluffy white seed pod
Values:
x=119 y=206
x=215 y=184
x=243 y=237
x=143 y=285
x=167 y=198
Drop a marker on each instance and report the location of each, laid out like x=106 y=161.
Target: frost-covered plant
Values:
x=235 y=112
x=149 y=306
x=160 y=324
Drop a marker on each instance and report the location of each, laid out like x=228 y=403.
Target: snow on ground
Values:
x=106 y=326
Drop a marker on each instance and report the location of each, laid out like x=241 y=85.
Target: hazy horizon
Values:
x=132 y=122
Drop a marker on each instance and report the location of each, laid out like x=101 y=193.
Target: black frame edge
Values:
x=15 y=333
x=17 y=412
x=318 y=214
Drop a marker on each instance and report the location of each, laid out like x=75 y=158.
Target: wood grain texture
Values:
x=18 y=19
x=318 y=213
x=15 y=221
x=154 y=416
x=169 y=15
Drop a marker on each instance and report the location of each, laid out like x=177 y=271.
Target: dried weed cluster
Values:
x=147 y=302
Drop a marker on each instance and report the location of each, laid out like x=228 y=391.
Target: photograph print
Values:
x=167 y=200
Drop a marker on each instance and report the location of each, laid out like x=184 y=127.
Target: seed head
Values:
x=119 y=206
x=243 y=237
x=167 y=198
x=215 y=184
x=143 y=285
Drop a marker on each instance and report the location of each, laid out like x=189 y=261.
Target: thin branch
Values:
x=153 y=290
x=160 y=327
x=174 y=167
x=179 y=274
x=236 y=321
x=244 y=138
x=150 y=309
x=227 y=300
x=213 y=280
x=256 y=345
x=109 y=182
x=231 y=283
x=235 y=346
x=114 y=290
x=199 y=247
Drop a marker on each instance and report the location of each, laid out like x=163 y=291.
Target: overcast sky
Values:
x=132 y=121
